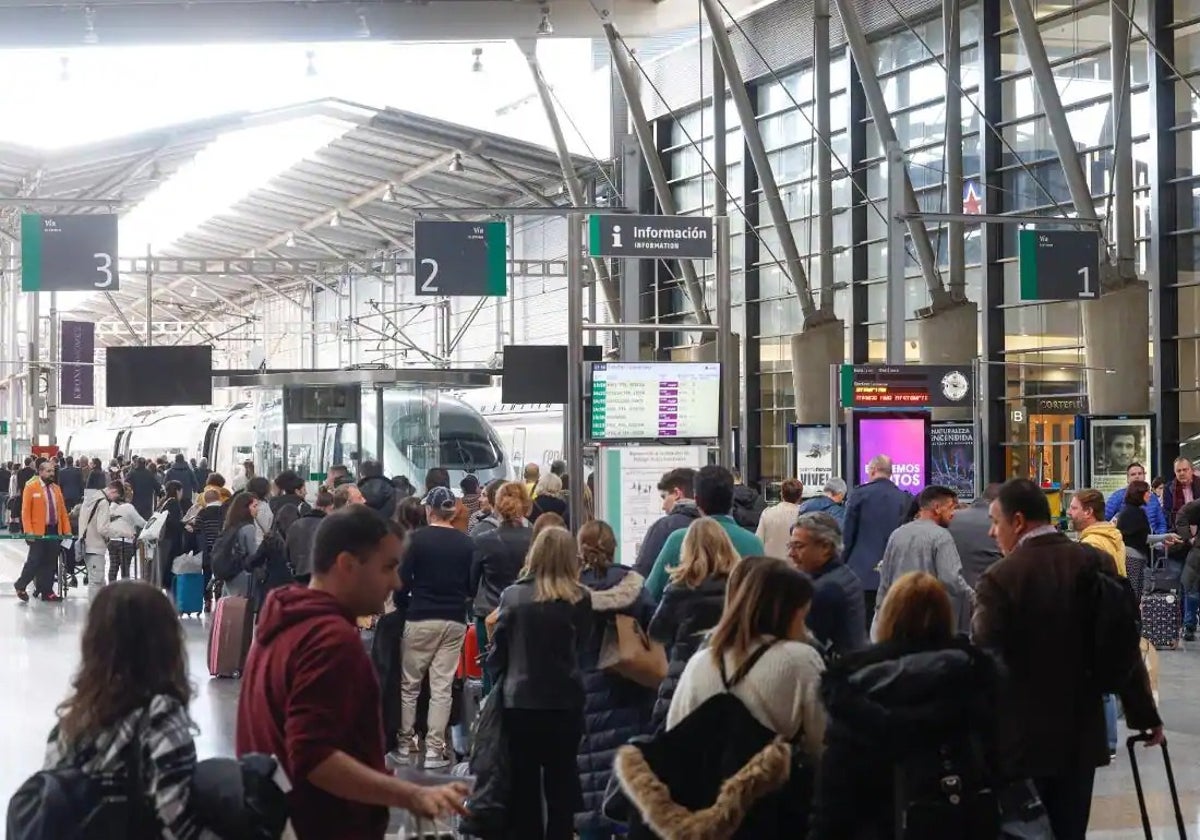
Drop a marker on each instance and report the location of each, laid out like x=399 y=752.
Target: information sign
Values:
x=1059 y=264
x=461 y=259
x=906 y=386
x=69 y=253
x=650 y=237
x=652 y=400
x=321 y=403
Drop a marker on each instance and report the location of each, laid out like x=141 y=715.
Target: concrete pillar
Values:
x=950 y=337
x=813 y=351
x=1116 y=337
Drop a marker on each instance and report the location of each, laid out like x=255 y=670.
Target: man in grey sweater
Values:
x=925 y=545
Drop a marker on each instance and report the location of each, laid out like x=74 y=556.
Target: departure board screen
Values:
x=655 y=400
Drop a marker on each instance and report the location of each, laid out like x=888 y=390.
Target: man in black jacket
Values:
x=145 y=487
x=378 y=490
x=837 y=616
x=873 y=511
x=181 y=472
x=301 y=534
x=679 y=505
x=288 y=504
x=70 y=481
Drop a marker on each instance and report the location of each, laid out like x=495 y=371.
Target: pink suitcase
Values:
x=229 y=636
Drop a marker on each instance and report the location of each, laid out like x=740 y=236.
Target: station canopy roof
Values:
x=328 y=179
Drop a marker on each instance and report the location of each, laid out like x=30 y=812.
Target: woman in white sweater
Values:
x=766 y=606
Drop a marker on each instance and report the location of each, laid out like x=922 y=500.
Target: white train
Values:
x=528 y=433
x=227 y=437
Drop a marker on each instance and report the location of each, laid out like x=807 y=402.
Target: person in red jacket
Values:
x=310 y=695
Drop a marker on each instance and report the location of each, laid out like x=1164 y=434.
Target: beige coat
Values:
x=775 y=527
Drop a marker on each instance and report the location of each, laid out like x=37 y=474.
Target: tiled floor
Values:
x=40 y=647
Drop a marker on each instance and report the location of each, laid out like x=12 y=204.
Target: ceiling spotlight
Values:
x=545 y=27
x=456 y=164
x=389 y=194
x=336 y=219
x=89 y=26
x=291 y=240
x=310 y=58
x=477 y=64
x=364 y=28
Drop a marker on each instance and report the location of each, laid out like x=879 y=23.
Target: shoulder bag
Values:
x=628 y=652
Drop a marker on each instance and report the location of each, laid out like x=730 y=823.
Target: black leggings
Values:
x=543 y=744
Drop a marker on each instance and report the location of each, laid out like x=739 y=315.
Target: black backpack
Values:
x=946 y=792
x=68 y=804
x=228 y=555
x=1111 y=609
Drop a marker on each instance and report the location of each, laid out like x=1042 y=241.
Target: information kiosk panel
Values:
x=903 y=437
x=655 y=400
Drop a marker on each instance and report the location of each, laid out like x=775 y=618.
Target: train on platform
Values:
x=466 y=443
x=529 y=433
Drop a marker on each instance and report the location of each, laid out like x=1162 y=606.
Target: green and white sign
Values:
x=627 y=489
x=1059 y=264
x=461 y=259
x=650 y=237
x=69 y=253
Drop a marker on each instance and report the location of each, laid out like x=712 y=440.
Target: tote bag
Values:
x=628 y=652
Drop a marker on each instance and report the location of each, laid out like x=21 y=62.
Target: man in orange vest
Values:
x=43 y=512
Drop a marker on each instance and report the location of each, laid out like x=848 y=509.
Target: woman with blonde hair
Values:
x=615 y=709
x=544 y=618
x=499 y=557
x=548 y=498
x=692 y=603
x=921 y=675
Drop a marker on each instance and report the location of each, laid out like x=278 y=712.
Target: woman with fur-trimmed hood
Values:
x=615 y=709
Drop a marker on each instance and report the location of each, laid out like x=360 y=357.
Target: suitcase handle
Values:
x=1131 y=742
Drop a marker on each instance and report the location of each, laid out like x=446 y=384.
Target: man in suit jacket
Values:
x=43 y=512
x=1029 y=611
x=70 y=481
x=873 y=511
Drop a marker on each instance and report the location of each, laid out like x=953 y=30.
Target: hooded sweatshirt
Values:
x=309 y=689
x=1106 y=537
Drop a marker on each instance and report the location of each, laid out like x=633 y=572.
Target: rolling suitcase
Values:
x=189 y=594
x=1131 y=743
x=1162 y=604
x=229 y=636
x=469 y=664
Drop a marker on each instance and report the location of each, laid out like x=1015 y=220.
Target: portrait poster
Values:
x=1114 y=444
x=814 y=458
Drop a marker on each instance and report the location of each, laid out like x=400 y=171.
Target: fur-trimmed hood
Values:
x=766 y=772
x=616 y=590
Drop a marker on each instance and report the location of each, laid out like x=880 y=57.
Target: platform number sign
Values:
x=461 y=259
x=1059 y=264
x=76 y=253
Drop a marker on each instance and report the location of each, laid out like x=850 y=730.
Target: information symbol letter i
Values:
x=616 y=237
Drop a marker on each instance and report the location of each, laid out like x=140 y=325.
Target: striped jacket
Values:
x=168 y=756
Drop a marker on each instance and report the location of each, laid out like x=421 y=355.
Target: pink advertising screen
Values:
x=903 y=439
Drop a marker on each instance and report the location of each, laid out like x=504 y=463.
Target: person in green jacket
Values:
x=714 y=497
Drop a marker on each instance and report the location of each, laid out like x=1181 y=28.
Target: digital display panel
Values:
x=655 y=400
x=154 y=376
x=905 y=386
x=904 y=439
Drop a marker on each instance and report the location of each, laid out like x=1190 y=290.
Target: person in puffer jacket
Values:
x=615 y=709
x=1086 y=512
x=748 y=506
x=832 y=501
x=691 y=604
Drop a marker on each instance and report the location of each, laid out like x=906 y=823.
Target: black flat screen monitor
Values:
x=136 y=377
x=537 y=373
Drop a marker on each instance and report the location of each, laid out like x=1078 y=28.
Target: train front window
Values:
x=468 y=452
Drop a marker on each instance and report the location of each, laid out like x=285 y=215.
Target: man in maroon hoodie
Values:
x=310 y=695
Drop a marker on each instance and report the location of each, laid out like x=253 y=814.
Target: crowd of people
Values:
x=819 y=668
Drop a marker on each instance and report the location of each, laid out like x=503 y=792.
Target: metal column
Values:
x=720 y=136
x=149 y=298
x=1162 y=259
x=1056 y=117
x=955 y=232
x=53 y=371
x=823 y=151
x=897 y=178
x=1123 y=207
x=654 y=165
x=729 y=379
x=864 y=60
x=758 y=155
x=573 y=410
x=600 y=271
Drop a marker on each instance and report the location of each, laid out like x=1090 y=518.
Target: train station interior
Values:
x=425 y=236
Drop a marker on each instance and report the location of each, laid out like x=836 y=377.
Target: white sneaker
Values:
x=403 y=752
x=436 y=760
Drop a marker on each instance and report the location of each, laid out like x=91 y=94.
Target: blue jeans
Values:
x=1191 y=600
x=1110 y=720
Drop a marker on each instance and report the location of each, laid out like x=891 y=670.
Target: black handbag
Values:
x=490 y=763
x=238 y=799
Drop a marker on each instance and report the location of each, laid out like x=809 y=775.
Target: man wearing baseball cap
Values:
x=436 y=571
